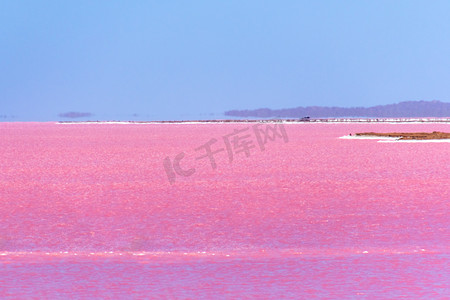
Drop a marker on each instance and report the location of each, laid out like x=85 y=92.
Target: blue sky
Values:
x=190 y=59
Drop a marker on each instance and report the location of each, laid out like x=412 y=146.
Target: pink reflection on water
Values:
x=81 y=189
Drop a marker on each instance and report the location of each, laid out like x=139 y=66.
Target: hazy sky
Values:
x=182 y=59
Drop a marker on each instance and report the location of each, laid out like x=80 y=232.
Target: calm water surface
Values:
x=88 y=211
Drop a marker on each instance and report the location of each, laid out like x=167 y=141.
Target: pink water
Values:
x=88 y=211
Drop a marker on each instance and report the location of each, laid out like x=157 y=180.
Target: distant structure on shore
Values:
x=408 y=109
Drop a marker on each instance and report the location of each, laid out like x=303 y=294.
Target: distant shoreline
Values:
x=405 y=109
x=302 y=120
x=435 y=135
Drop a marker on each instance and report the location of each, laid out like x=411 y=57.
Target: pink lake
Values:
x=97 y=211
